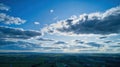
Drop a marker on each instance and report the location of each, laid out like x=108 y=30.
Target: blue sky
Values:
x=59 y=25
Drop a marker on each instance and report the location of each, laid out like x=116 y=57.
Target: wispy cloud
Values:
x=4 y=7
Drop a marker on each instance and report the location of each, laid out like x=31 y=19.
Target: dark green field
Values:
x=58 y=60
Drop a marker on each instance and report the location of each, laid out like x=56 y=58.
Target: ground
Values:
x=59 y=60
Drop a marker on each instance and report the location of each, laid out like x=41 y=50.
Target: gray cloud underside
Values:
x=94 y=44
x=6 y=19
x=60 y=42
x=94 y=23
x=103 y=37
x=79 y=41
x=18 y=45
x=7 y=32
x=5 y=42
x=107 y=41
x=45 y=39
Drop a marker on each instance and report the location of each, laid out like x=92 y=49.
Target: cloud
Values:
x=4 y=7
x=79 y=47
x=6 y=19
x=79 y=41
x=103 y=37
x=118 y=43
x=60 y=42
x=93 y=23
x=115 y=46
x=7 y=32
x=51 y=11
x=19 y=45
x=5 y=42
x=49 y=48
x=107 y=41
x=45 y=39
x=94 y=44
x=37 y=23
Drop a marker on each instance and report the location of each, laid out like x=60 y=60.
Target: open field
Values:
x=58 y=60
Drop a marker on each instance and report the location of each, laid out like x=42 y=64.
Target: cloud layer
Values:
x=7 y=32
x=93 y=23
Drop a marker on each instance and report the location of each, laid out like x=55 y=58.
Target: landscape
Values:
x=59 y=60
x=59 y=33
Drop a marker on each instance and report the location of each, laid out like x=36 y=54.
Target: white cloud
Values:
x=51 y=11
x=37 y=23
x=6 y=19
x=93 y=23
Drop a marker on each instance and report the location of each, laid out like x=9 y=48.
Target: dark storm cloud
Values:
x=94 y=44
x=94 y=23
x=60 y=42
x=7 y=32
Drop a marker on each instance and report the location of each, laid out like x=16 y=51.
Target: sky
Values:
x=60 y=26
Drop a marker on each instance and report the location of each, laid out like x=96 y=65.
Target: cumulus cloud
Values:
x=4 y=7
x=93 y=23
x=7 y=19
x=7 y=32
